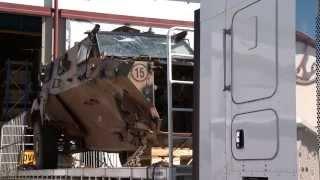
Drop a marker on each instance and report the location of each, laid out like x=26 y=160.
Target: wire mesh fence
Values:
x=96 y=159
x=12 y=144
x=14 y=140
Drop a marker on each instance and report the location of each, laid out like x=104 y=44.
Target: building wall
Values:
x=162 y=9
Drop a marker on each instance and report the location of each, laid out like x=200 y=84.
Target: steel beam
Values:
x=57 y=14
x=91 y=16
x=123 y=19
x=24 y=9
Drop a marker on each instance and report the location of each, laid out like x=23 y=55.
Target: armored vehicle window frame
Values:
x=138 y=45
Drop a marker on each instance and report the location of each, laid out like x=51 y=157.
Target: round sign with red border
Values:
x=139 y=72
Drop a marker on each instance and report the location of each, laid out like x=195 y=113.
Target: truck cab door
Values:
x=247 y=125
x=260 y=88
x=254 y=80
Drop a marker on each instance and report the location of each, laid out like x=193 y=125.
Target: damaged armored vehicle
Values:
x=108 y=93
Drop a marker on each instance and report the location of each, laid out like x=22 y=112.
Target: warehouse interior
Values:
x=23 y=47
x=20 y=38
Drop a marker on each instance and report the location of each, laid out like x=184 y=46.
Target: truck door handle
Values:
x=240 y=139
x=225 y=33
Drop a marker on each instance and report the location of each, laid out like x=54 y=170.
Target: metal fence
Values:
x=96 y=159
x=137 y=173
x=12 y=143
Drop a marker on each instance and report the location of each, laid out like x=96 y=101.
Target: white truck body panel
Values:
x=247 y=90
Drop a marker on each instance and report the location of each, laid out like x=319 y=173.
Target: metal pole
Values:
x=169 y=96
x=56 y=30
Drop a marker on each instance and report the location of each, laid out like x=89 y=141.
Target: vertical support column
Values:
x=62 y=35
x=26 y=88
x=169 y=95
x=53 y=34
x=7 y=89
x=196 y=106
x=56 y=30
x=68 y=34
x=46 y=37
x=46 y=47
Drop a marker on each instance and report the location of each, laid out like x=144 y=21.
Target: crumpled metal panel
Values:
x=108 y=110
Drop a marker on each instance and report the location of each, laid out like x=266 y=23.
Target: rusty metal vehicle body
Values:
x=100 y=94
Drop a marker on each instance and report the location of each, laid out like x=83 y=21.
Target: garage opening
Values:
x=20 y=53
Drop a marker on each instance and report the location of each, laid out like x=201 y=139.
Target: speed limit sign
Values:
x=139 y=72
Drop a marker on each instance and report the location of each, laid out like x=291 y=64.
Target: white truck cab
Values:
x=247 y=93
